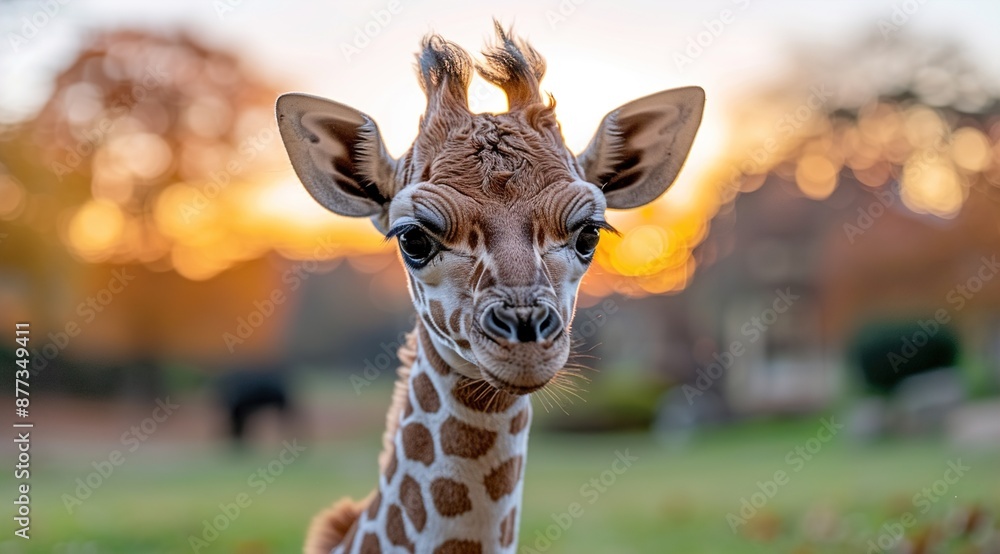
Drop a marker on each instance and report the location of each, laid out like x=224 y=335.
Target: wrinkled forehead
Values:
x=457 y=214
x=495 y=174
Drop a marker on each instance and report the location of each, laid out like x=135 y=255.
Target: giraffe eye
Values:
x=417 y=246
x=586 y=240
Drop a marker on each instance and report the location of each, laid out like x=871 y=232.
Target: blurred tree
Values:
x=143 y=143
x=145 y=156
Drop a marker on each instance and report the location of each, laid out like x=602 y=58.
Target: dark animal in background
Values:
x=246 y=392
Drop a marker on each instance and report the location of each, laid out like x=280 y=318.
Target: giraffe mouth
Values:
x=507 y=387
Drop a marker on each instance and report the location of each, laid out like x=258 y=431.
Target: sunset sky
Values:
x=600 y=55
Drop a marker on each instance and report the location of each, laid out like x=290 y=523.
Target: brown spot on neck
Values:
x=370 y=544
x=465 y=441
x=426 y=394
x=413 y=502
x=373 y=507
x=418 y=444
x=450 y=497
x=504 y=478
x=507 y=527
x=431 y=353
x=481 y=396
x=519 y=422
x=395 y=530
x=455 y=546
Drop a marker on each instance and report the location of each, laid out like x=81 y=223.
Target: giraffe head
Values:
x=496 y=220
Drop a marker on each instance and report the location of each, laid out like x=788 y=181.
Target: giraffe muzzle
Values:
x=509 y=324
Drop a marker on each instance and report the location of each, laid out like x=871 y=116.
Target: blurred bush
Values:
x=886 y=353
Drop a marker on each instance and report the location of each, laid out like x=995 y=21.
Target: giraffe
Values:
x=496 y=222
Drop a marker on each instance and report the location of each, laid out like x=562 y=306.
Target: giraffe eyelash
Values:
x=604 y=225
x=406 y=226
x=398 y=230
x=599 y=223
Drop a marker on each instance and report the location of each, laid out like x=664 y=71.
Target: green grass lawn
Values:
x=670 y=500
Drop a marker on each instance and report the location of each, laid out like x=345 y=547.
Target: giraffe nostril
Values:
x=498 y=323
x=550 y=325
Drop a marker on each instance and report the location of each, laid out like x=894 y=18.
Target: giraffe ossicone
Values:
x=497 y=222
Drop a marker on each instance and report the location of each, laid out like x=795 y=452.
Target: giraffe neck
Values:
x=451 y=476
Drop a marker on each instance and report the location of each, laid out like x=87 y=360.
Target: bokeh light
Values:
x=95 y=229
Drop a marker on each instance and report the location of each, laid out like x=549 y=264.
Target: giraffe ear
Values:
x=639 y=148
x=338 y=154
